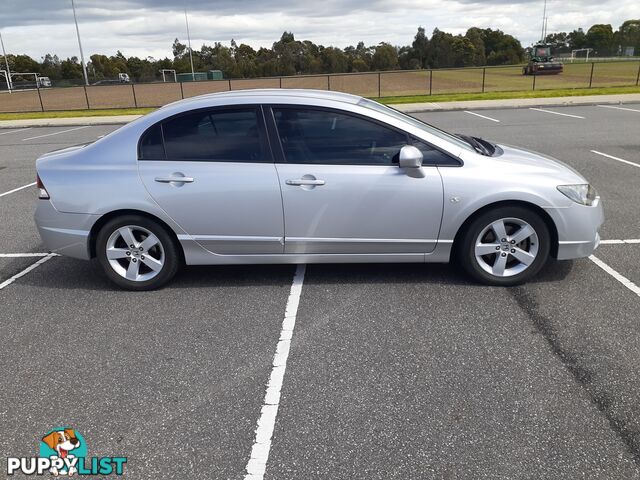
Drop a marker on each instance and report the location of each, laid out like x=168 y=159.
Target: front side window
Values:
x=378 y=107
x=330 y=137
x=210 y=135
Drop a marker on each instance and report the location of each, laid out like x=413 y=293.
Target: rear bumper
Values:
x=577 y=229
x=64 y=233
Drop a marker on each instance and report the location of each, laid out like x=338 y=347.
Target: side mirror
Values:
x=410 y=157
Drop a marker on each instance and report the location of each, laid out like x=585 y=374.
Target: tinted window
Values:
x=151 y=144
x=433 y=156
x=224 y=135
x=329 y=137
x=365 y=102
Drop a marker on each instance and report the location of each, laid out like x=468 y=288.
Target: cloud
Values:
x=148 y=27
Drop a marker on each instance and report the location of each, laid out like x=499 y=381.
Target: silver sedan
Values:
x=303 y=176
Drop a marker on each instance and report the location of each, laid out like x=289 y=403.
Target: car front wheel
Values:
x=506 y=246
x=137 y=253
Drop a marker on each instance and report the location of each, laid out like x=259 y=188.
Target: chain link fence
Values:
x=370 y=84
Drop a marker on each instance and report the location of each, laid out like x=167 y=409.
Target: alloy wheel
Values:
x=135 y=253
x=506 y=247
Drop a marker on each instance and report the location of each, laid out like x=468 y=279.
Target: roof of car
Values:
x=277 y=92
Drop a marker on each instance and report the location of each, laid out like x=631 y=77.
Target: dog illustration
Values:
x=62 y=441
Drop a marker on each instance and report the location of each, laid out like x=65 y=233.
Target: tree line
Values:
x=289 y=56
x=600 y=37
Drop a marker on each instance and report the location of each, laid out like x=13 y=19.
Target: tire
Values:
x=150 y=264
x=513 y=263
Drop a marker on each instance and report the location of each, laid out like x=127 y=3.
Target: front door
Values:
x=212 y=172
x=343 y=192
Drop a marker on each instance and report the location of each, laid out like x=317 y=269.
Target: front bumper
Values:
x=64 y=233
x=577 y=249
x=577 y=229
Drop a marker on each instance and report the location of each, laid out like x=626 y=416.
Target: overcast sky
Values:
x=148 y=27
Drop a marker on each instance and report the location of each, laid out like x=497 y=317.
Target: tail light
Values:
x=42 y=192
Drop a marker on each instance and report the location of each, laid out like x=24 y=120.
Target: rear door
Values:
x=212 y=172
x=343 y=191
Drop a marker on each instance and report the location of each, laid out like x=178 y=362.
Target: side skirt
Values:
x=196 y=255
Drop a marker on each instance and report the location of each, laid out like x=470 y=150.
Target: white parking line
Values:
x=26 y=255
x=262 y=444
x=15 y=131
x=55 y=133
x=555 y=113
x=620 y=108
x=8 y=282
x=17 y=189
x=616 y=158
x=629 y=241
x=619 y=277
x=481 y=116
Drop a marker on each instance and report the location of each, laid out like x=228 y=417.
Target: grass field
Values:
x=439 y=85
x=443 y=98
x=506 y=79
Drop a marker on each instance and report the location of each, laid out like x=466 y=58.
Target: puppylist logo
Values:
x=63 y=451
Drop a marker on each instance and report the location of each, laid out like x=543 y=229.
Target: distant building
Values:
x=200 y=76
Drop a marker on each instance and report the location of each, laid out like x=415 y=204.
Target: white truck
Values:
x=43 y=82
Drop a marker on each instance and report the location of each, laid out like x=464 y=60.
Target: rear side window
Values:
x=224 y=135
x=228 y=135
x=151 y=147
x=330 y=137
x=433 y=156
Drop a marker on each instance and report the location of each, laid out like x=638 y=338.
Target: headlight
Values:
x=583 y=194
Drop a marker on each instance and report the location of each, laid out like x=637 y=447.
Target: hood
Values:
x=539 y=162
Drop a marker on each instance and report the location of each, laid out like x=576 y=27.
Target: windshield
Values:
x=365 y=102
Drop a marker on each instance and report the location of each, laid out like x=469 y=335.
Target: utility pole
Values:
x=544 y=19
x=186 y=19
x=84 y=67
x=6 y=62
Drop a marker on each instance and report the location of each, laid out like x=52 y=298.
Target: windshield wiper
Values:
x=477 y=146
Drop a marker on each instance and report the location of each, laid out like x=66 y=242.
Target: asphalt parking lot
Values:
x=392 y=371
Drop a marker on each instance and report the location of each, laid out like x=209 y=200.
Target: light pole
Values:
x=84 y=67
x=6 y=62
x=186 y=19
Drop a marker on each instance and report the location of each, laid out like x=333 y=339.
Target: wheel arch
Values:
x=553 y=229
x=97 y=226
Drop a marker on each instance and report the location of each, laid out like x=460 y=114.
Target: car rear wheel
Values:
x=506 y=246
x=137 y=253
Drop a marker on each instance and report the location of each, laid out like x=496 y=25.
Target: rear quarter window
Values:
x=151 y=145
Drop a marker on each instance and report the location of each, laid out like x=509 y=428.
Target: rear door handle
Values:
x=304 y=181
x=174 y=179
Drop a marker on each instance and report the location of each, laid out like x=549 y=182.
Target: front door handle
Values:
x=304 y=181
x=174 y=179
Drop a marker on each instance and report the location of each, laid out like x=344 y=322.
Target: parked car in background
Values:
x=303 y=176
